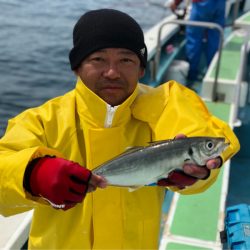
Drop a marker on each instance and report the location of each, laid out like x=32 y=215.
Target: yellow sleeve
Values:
x=22 y=142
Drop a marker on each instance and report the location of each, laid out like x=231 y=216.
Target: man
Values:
x=204 y=11
x=48 y=152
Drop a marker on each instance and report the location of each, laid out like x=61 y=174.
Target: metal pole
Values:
x=240 y=77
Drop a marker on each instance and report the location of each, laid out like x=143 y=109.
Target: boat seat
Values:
x=230 y=66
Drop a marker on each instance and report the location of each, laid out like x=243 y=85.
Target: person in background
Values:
x=48 y=153
x=204 y=11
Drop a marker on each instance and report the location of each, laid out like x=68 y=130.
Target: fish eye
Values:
x=209 y=145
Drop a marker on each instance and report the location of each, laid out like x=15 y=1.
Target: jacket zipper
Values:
x=110 y=115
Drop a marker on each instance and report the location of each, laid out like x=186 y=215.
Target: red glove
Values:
x=178 y=179
x=61 y=182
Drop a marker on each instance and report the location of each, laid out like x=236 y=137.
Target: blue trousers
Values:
x=206 y=11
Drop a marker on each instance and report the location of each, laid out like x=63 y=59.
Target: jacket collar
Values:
x=95 y=111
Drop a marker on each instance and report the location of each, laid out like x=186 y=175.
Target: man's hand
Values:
x=96 y=181
x=191 y=173
x=60 y=182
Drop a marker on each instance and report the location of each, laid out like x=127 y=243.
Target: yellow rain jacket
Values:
x=81 y=127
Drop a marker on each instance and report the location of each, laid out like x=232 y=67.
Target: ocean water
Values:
x=35 y=39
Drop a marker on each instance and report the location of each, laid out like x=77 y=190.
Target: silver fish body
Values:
x=145 y=165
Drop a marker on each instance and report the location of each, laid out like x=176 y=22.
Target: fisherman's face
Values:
x=111 y=73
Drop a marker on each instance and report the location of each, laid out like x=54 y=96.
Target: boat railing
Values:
x=208 y=25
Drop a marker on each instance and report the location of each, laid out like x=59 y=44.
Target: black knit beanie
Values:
x=106 y=28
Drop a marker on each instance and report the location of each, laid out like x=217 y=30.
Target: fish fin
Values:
x=132 y=149
x=152 y=143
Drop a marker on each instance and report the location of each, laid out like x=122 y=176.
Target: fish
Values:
x=145 y=165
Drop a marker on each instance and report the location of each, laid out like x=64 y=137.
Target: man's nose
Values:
x=112 y=71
